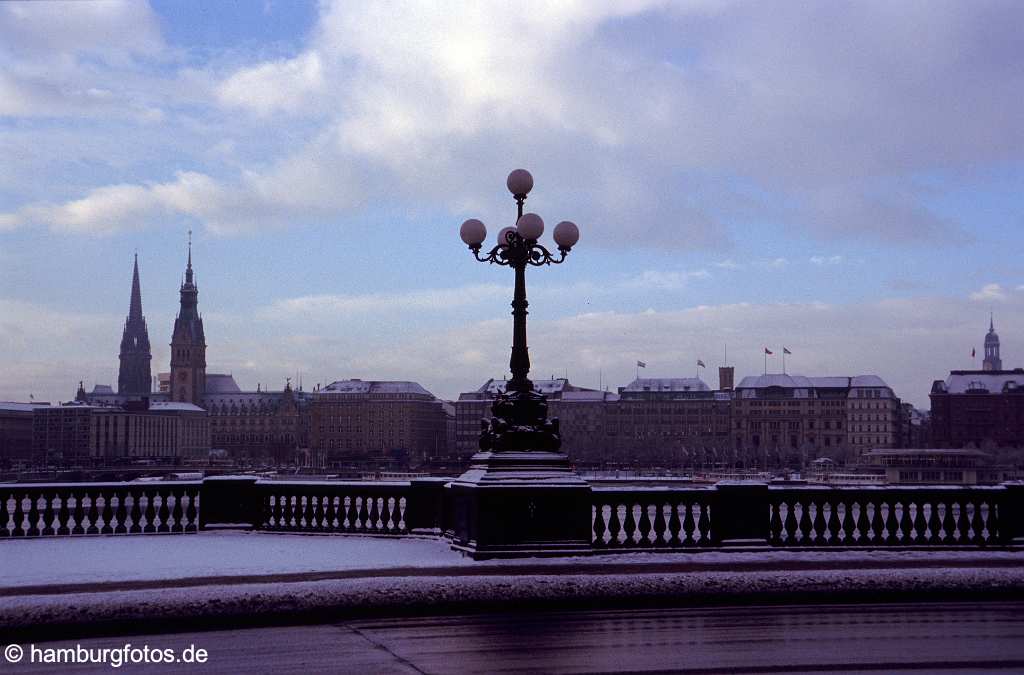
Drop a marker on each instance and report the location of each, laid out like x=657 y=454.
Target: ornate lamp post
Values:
x=520 y=495
x=520 y=413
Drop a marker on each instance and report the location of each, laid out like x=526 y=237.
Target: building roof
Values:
x=979 y=381
x=14 y=406
x=101 y=389
x=666 y=384
x=168 y=406
x=589 y=395
x=221 y=383
x=787 y=381
x=355 y=386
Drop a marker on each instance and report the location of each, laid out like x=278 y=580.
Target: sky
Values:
x=845 y=180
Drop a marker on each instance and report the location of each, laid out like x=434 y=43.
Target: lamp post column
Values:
x=520 y=495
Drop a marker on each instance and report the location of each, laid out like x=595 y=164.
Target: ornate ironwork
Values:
x=520 y=421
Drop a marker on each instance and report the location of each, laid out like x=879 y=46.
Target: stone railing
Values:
x=641 y=518
x=758 y=514
x=621 y=519
x=64 y=509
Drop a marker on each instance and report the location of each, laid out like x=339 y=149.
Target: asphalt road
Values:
x=931 y=638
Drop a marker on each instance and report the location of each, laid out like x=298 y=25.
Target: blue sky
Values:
x=842 y=179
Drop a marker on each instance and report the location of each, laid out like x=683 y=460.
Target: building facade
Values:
x=792 y=417
x=78 y=434
x=16 y=432
x=387 y=422
x=978 y=408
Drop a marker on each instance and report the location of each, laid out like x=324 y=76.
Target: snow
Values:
x=236 y=553
x=42 y=616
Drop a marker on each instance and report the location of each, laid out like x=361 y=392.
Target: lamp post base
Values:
x=520 y=504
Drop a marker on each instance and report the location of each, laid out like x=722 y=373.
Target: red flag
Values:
x=767 y=351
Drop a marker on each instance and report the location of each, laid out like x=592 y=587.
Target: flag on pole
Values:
x=700 y=364
x=786 y=351
x=972 y=352
x=767 y=351
x=641 y=364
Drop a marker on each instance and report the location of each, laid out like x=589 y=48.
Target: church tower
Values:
x=992 y=360
x=188 y=343
x=133 y=376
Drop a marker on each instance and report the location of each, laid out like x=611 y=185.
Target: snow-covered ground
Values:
x=231 y=553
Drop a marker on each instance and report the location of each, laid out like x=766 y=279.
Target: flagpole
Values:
x=783 y=360
x=765 y=360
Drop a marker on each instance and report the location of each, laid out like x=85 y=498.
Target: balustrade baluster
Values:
x=33 y=516
x=804 y=524
x=860 y=523
x=775 y=524
x=889 y=525
x=107 y=513
x=94 y=512
x=978 y=524
x=49 y=514
x=163 y=511
x=135 y=513
x=946 y=522
x=276 y=510
x=288 y=512
x=121 y=514
x=79 y=512
x=933 y=522
x=396 y=515
x=351 y=514
x=192 y=511
x=919 y=523
x=178 y=511
x=704 y=525
x=614 y=526
x=675 y=526
x=818 y=522
x=19 y=514
x=689 y=525
x=629 y=526
x=789 y=525
x=660 y=526
x=364 y=514
x=904 y=522
x=308 y=512
x=149 y=513
x=832 y=524
x=318 y=512
x=329 y=514
x=374 y=515
x=644 y=525
x=598 y=525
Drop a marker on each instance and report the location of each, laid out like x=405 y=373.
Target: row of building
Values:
x=770 y=419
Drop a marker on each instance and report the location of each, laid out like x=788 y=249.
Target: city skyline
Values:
x=326 y=196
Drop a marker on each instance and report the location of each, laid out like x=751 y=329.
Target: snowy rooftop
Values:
x=355 y=386
x=787 y=381
x=666 y=384
x=168 y=406
x=12 y=406
x=965 y=381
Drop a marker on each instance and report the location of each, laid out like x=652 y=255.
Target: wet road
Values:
x=933 y=638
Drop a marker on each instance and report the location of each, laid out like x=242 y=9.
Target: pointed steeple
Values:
x=135 y=305
x=991 y=323
x=993 y=361
x=133 y=376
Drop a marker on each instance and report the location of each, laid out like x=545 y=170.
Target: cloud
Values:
x=663 y=281
x=409 y=105
x=989 y=293
x=287 y=86
x=826 y=260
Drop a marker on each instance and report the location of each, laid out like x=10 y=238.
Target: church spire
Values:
x=188 y=343
x=993 y=361
x=133 y=376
